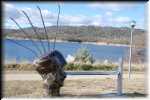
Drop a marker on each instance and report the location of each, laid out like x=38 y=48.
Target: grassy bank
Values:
x=76 y=67
x=69 y=66
x=19 y=67
x=86 y=67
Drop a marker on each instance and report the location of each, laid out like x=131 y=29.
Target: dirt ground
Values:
x=81 y=87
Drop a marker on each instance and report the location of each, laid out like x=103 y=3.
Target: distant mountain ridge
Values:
x=83 y=33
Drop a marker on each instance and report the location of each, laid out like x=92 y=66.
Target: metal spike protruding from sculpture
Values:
x=35 y=31
x=46 y=34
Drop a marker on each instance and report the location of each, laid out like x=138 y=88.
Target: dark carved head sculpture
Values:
x=51 y=68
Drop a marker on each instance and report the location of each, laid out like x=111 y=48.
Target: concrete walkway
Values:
x=9 y=76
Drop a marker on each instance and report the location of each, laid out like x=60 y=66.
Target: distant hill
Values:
x=85 y=33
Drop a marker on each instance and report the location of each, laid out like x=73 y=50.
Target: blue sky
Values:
x=77 y=13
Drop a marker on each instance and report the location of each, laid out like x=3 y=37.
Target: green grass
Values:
x=19 y=67
x=76 y=67
x=69 y=66
x=119 y=41
x=86 y=67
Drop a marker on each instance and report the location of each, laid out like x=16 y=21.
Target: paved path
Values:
x=36 y=76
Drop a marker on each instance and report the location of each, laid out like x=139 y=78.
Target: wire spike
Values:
x=44 y=28
x=24 y=47
x=57 y=26
x=25 y=34
x=38 y=37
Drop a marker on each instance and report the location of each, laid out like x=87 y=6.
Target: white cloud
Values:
x=79 y=19
x=17 y=14
x=50 y=18
x=95 y=23
x=122 y=19
x=7 y=5
x=108 y=13
x=48 y=24
x=9 y=26
x=118 y=21
x=112 y=6
x=106 y=6
x=10 y=11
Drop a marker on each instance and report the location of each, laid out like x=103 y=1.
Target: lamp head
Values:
x=133 y=23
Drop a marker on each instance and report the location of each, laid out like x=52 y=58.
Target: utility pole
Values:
x=131 y=40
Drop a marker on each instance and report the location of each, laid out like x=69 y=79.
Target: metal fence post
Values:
x=119 y=77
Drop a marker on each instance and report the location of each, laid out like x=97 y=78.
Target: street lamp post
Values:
x=131 y=39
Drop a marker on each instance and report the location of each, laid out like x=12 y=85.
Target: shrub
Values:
x=70 y=66
x=86 y=67
x=105 y=67
x=19 y=67
x=83 y=56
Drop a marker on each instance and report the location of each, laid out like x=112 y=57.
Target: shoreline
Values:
x=65 y=41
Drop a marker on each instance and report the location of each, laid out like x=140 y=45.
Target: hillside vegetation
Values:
x=85 y=33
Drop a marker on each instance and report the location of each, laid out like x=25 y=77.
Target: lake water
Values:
x=99 y=52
